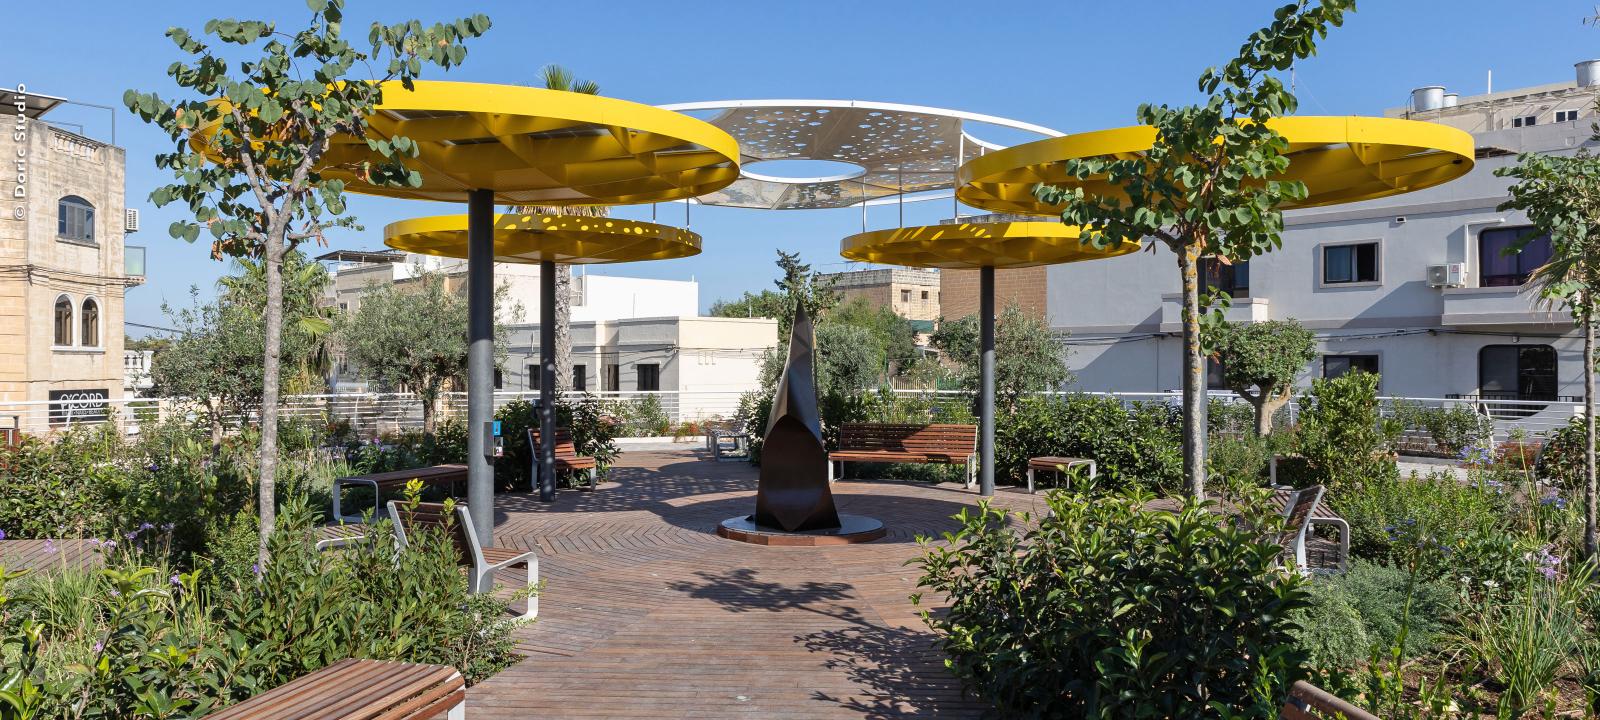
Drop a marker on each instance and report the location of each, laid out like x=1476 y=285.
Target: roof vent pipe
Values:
x=1427 y=98
x=1588 y=73
x=1451 y=100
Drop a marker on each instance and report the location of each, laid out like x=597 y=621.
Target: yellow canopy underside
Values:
x=528 y=238
x=1340 y=159
x=975 y=245
x=534 y=146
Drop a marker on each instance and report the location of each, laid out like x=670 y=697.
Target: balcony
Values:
x=136 y=369
x=1516 y=305
x=1243 y=310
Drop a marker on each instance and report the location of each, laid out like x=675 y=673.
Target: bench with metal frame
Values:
x=567 y=457
x=391 y=481
x=1062 y=465
x=945 y=443
x=1309 y=702
x=481 y=562
x=354 y=689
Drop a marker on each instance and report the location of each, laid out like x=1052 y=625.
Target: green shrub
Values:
x=1378 y=593
x=1341 y=434
x=1562 y=462
x=1132 y=445
x=1238 y=461
x=1097 y=611
x=641 y=416
x=1438 y=506
x=1453 y=429
x=1230 y=418
x=1330 y=629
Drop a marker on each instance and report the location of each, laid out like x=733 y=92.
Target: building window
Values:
x=1500 y=269
x=75 y=219
x=1566 y=115
x=63 y=321
x=613 y=380
x=649 y=376
x=924 y=294
x=91 y=323
x=533 y=377
x=1525 y=121
x=1336 y=365
x=1517 y=372
x=499 y=379
x=580 y=378
x=905 y=296
x=1231 y=280
x=1354 y=263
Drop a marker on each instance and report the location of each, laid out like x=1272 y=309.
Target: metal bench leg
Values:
x=1030 y=481
x=459 y=712
x=830 y=470
x=533 y=582
x=594 y=479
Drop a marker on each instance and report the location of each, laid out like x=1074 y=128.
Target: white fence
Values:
x=372 y=414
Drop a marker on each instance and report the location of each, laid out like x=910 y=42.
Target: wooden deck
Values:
x=648 y=614
x=47 y=554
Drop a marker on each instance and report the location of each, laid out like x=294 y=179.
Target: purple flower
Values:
x=145 y=526
x=256 y=568
x=167 y=527
x=115 y=593
x=99 y=645
x=130 y=535
x=2 y=534
x=152 y=467
x=49 y=547
x=175 y=580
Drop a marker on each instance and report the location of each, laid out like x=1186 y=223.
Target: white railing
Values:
x=372 y=414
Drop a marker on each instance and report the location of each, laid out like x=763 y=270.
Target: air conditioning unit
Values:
x=130 y=220
x=1447 y=275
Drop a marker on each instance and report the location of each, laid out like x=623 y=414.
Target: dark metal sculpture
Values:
x=793 y=494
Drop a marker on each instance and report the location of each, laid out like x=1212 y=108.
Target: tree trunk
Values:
x=214 y=415
x=564 y=372
x=266 y=487
x=1266 y=409
x=1589 y=499
x=1194 y=375
x=429 y=406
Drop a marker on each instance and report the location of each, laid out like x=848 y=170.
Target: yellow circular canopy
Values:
x=976 y=245
x=529 y=238
x=1340 y=159
x=535 y=147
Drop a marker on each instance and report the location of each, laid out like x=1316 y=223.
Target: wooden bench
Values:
x=391 y=481
x=904 y=443
x=1309 y=702
x=1062 y=465
x=1321 y=514
x=354 y=689
x=567 y=457
x=481 y=562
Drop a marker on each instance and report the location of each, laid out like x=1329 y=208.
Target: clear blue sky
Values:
x=1069 y=65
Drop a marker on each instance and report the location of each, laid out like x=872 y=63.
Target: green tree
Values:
x=1260 y=361
x=1561 y=195
x=798 y=284
x=849 y=359
x=1028 y=357
x=555 y=77
x=766 y=303
x=1204 y=187
x=307 y=321
x=213 y=359
x=248 y=142
x=891 y=332
x=413 y=336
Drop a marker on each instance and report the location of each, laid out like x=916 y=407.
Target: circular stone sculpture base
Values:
x=852 y=529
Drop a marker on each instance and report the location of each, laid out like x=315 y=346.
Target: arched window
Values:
x=63 y=320
x=91 y=323
x=75 y=219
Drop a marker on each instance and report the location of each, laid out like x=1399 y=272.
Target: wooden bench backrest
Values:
x=1298 y=515
x=566 y=449
x=939 y=439
x=431 y=516
x=358 y=690
x=1309 y=702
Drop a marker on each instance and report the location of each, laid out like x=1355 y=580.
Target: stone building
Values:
x=62 y=272
x=911 y=293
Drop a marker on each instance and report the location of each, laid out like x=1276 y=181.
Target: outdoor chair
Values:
x=1309 y=702
x=481 y=562
x=1297 y=521
x=354 y=689
x=566 y=457
x=737 y=435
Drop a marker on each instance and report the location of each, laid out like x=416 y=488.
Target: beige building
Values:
x=62 y=271
x=911 y=293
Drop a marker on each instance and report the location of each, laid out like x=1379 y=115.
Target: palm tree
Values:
x=304 y=282
x=555 y=77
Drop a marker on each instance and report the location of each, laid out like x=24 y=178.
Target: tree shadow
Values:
x=739 y=591
x=900 y=670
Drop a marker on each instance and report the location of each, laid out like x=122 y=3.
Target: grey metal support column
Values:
x=480 y=361
x=547 y=381
x=986 y=385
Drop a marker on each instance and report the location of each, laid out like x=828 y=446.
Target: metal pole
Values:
x=547 y=380
x=480 y=361
x=901 y=182
x=955 y=175
x=986 y=386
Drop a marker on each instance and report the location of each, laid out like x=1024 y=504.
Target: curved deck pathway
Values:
x=647 y=613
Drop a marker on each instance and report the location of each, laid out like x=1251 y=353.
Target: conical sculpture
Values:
x=793 y=494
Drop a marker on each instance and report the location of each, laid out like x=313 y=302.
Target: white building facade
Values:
x=1414 y=287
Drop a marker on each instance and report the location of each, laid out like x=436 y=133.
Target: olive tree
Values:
x=1260 y=361
x=1206 y=187
x=1561 y=195
x=1028 y=357
x=249 y=136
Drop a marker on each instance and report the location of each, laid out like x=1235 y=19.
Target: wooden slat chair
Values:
x=1321 y=514
x=481 y=562
x=354 y=689
x=1296 y=521
x=567 y=457
x=392 y=481
x=1309 y=702
x=905 y=443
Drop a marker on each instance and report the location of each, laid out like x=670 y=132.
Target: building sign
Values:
x=78 y=406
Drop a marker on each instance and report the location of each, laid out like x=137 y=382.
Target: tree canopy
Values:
x=1260 y=361
x=1028 y=356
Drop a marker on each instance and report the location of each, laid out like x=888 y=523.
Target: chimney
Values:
x=1430 y=97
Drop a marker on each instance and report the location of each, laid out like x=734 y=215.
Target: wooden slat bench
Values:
x=1321 y=514
x=360 y=690
x=1309 y=702
x=1062 y=466
x=392 y=481
x=567 y=457
x=904 y=443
